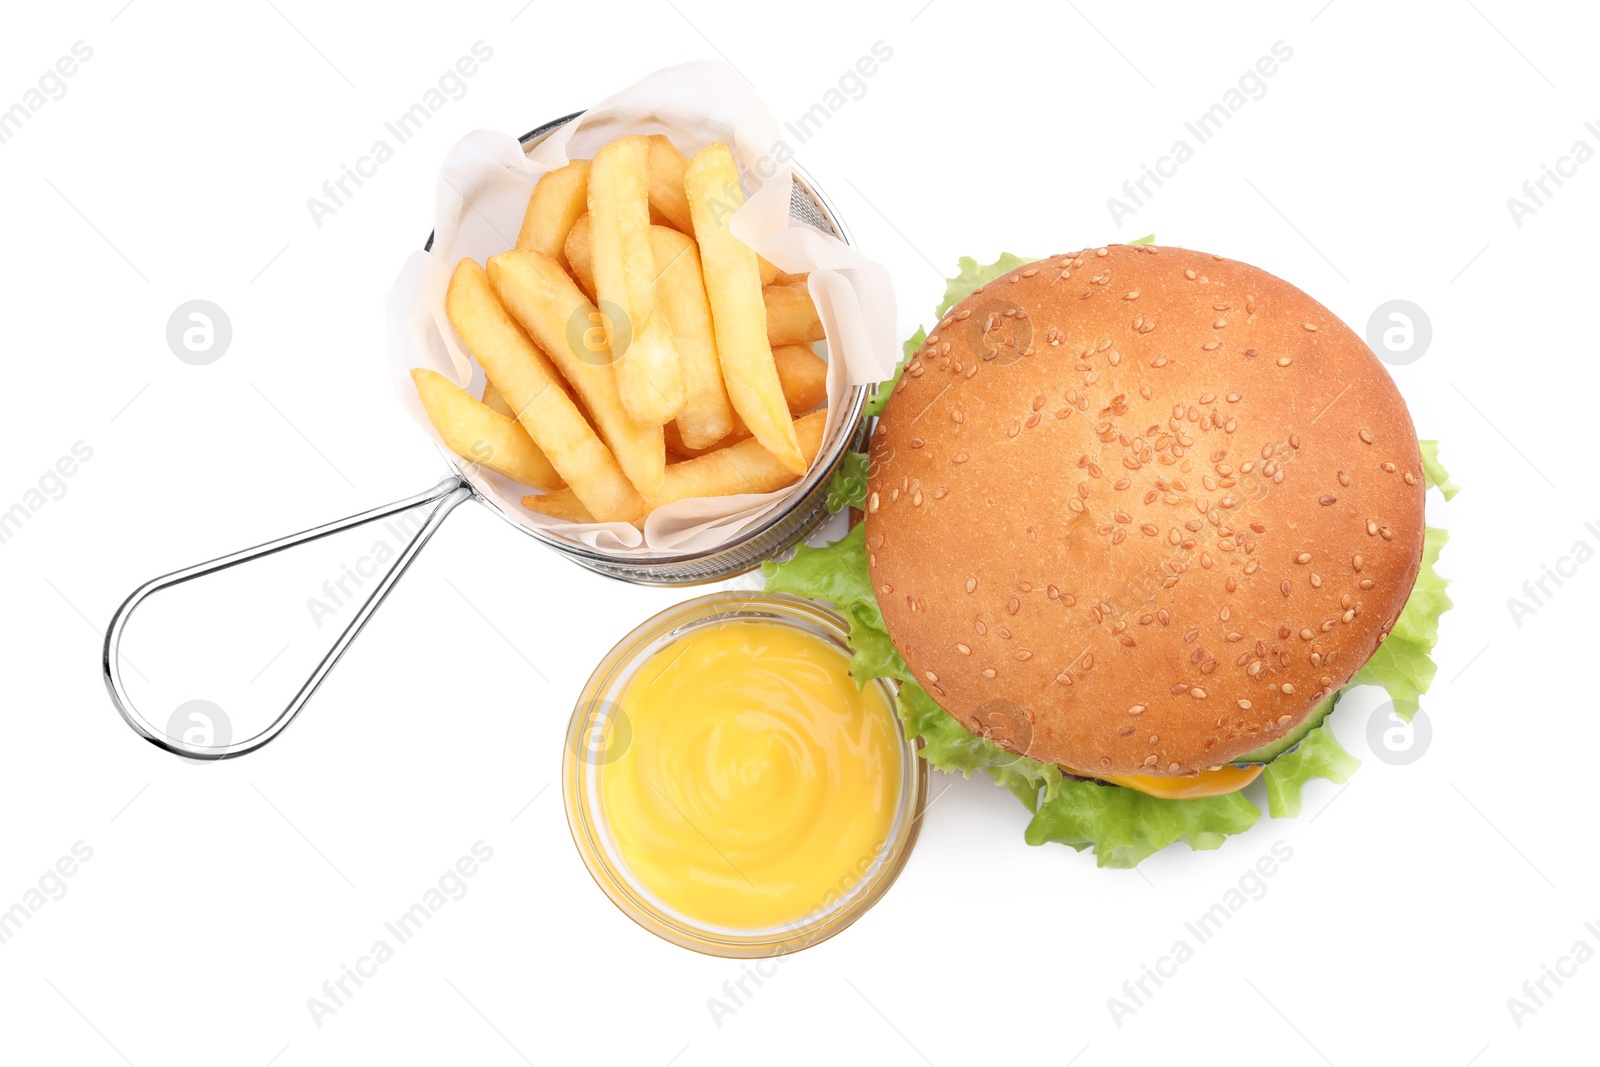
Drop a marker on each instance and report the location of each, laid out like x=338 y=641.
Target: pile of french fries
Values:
x=637 y=353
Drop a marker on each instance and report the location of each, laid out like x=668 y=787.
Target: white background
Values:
x=219 y=898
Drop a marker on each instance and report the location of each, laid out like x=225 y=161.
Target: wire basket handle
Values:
x=445 y=496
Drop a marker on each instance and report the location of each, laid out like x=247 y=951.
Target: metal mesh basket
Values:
x=781 y=530
x=789 y=524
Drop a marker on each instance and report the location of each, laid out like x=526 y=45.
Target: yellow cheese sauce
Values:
x=759 y=784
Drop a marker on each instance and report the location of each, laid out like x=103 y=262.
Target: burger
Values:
x=1132 y=519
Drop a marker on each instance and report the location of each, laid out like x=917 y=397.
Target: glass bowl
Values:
x=594 y=739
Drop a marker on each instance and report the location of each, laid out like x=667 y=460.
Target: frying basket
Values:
x=778 y=532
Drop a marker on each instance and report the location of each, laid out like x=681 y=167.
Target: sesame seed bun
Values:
x=1138 y=510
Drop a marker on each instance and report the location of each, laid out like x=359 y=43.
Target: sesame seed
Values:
x=872 y=502
x=1304 y=557
x=1024 y=654
x=1245 y=704
x=1189 y=274
x=1287 y=688
x=989 y=672
x=1137 y=709
x=1284 y=361
x=1310 y=326
x=1284 y=587
x=1197 y=693
x=1366 y=436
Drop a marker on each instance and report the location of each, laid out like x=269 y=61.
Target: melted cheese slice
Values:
x=1205 y=784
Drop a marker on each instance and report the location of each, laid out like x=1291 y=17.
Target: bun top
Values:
x=1138 y=510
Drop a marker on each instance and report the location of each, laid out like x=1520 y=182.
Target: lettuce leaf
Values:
x=1433 y=471
x=838 y=574
x=1122 y=826
x=1403 y=664
x=883 y=390
x=848 y=486
x=957 y=289
x=953 y=749
x=1318 y=755
x=974 y=274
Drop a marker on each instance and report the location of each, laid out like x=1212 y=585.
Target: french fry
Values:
x=781 y=278
x=559 y=505
x=495 y=402
x=707 y=414
x=733 y=284
x=649 y=373
x=667 y=198
x=791 y=316
x=669 y=204
x=486 y=437
x=804 y=376
x=558 y=199
x=579 y=260
x=745 y=467
x=549 y=305
x=532 y=386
